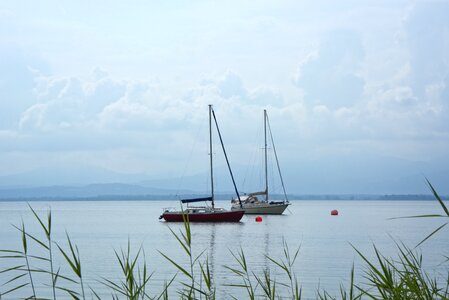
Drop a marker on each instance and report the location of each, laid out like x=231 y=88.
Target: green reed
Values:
x=270 y=287
x=135 y=277
x=25 y=263
x=194 y=289
x=383 y=277
x=400 y=278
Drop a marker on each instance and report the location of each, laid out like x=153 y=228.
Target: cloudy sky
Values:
x=357 y=91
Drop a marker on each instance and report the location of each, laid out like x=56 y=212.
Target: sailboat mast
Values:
x=226 y=158
x=277 y=160
x=210 y=153
x=266 y=161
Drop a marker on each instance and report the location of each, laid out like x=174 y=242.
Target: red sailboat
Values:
x=206 y=213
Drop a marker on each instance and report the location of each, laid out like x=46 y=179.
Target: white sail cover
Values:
x=258 y=193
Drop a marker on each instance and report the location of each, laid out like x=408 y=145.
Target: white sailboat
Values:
x=251 y=203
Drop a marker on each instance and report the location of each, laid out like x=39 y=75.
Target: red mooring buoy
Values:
x=258 y=219
x=334 y=212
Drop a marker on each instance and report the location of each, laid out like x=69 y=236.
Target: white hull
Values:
x=261 y=208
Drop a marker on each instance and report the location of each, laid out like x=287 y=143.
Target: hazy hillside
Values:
x=350 y=175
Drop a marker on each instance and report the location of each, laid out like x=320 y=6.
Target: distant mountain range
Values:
x=79 y=192
x=347 y=178
x=120 y=191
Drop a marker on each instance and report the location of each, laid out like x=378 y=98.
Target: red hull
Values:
x=224 y=216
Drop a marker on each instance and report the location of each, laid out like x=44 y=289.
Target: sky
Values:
x=357 y=91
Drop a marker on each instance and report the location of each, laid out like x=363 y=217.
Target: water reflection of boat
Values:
x=206 y=213
x=250 y=203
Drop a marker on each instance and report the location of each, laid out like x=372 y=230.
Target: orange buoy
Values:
x=334 y=212
x=258 y=219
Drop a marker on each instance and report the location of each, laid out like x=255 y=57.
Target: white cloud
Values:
x=231 y=85
x=397 y=91
x=16 y=86
x=266 y=96
x=330 y=77
x=33 y=117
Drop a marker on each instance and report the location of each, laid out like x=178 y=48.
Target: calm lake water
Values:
x=325 y=258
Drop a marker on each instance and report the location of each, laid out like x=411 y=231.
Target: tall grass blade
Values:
x=95 y=294
x=371 y=266
x=184 y=246
x=41 y=243
x=243 y=274
x=12 y=269
x=418 y=216
x=12 y=256
x=69 y=261
x=73 y=259
x=198 y=256
x=206 y=274
x=176 y=265
x=185 y=218
x=15 y=278
x=235 y=271
x=430 y=235
x=438 y=198
x=164 y=293
x=14 y=289
x=72 y=293
x=25 y=254
x=46 y=230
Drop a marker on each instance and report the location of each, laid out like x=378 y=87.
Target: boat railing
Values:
x=169 y=209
